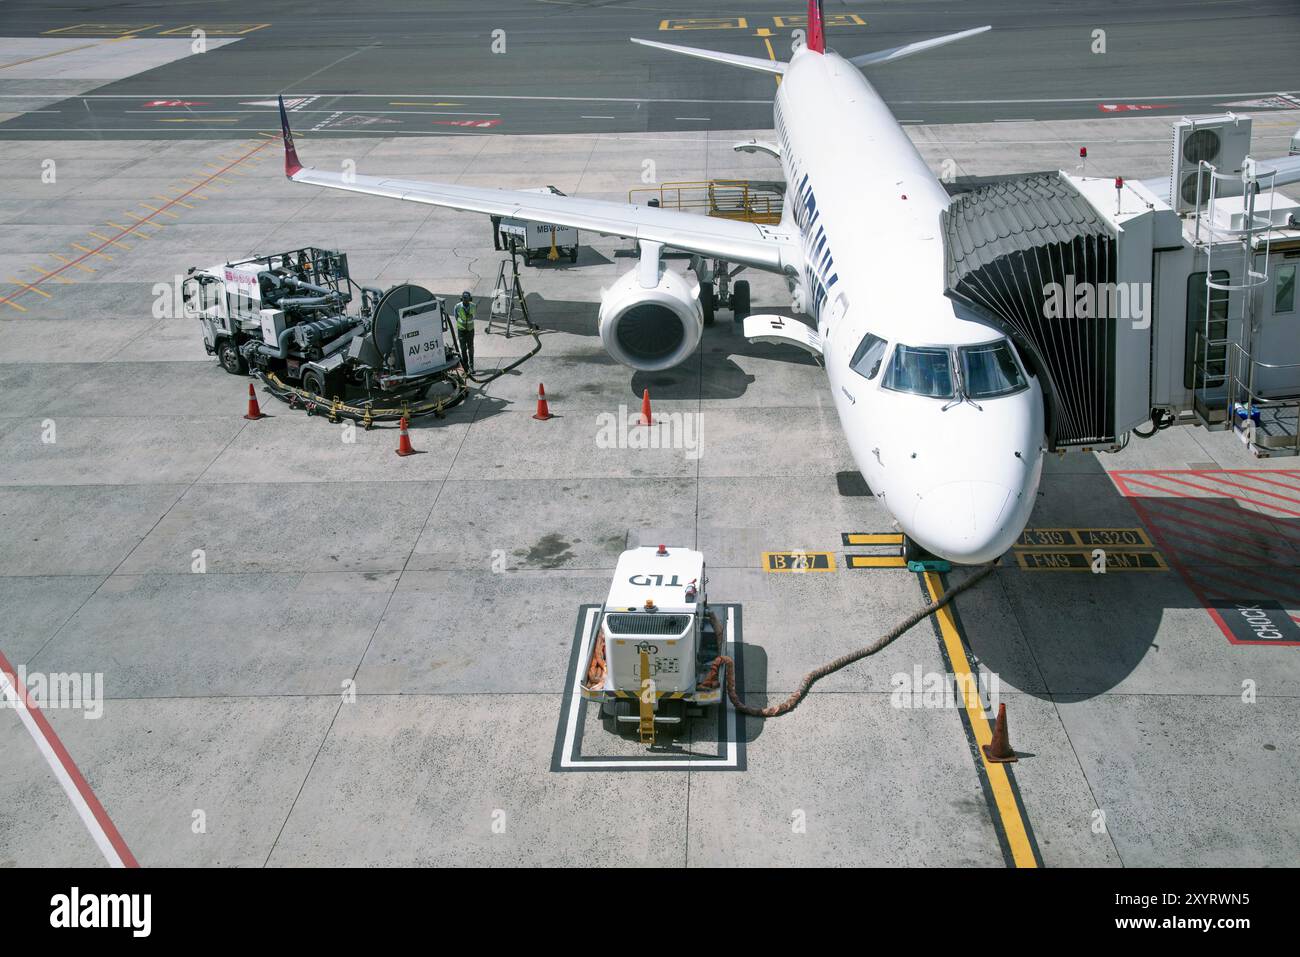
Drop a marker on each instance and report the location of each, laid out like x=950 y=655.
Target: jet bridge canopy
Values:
x=1016 y=251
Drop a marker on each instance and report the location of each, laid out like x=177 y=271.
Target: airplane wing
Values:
x=736 y=242
x=1285 y=170
x=907 y=49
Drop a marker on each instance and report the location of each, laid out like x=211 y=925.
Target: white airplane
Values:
x=943 y=419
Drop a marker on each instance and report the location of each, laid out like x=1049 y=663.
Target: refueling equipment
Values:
x=284 y=317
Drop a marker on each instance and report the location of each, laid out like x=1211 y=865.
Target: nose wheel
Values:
x=920 y=560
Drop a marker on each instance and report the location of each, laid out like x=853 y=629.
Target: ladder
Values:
x=508 y=306
x=1225 y=391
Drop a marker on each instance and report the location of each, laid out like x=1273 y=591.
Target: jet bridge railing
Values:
x=749 y=201
x=1276 y=429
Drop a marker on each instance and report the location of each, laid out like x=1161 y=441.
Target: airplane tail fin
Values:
x=816 y=40
x=291 y=164
x=735 y=59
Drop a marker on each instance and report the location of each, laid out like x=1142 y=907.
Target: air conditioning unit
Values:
x=1223 y=142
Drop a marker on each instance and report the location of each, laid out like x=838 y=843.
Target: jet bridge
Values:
x=1132 y=308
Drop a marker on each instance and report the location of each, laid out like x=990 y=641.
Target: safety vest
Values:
x=465 y=316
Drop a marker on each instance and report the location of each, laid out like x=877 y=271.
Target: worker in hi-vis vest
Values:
x=465 y=329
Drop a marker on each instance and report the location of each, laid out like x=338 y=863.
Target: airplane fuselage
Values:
x=941 y=416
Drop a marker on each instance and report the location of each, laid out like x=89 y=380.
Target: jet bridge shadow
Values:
x=1078 y=633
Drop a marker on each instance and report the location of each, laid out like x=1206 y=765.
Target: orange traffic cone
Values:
x=254 y=410
x=645 y=408
x=543 y=408
x=999 y=750
x=404 y=441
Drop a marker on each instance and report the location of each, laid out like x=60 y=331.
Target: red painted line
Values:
x=1256 y=474
x=1260 y=552
x=1210 y=558
x=1258 y=557
x=70 y=766
x=1285 y=594
x=1213 y=491
x=108 y=242
x=1250 y=488
x=1171 y=555
x=1226 y=518
x=1206 y=572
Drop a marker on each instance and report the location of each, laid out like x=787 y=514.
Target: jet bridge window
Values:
x=990 y=370
x=866 y=361
x=1284 y=292
x=920 y=370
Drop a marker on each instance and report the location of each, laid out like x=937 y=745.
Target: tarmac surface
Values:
x=400 y=68
x=314 y=652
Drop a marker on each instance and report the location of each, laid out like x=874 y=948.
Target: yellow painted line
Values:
x=1083 y=538
x=10 y=302
x=876 y=561
x=797 y=561
x=216 y=29
x=30 y=288
x=172 y=199
x=115 y=242
x=873 y=538
x=45 y=274
x=46 y=56
x=828 y=20
x=114 y=30
x=1013 y=823
x=1076 y=560
x=420 y=103
x=135 y=230
x=202 y=119
x=90 y=252
x=69 y=262
x=146 y=219
x=159 y=209
x=125 y=230
x=705 y=23
x=771 y=55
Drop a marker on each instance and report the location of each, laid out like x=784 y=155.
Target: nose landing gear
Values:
x=920 y=560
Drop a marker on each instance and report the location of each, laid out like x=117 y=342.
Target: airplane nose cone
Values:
x=963 y=521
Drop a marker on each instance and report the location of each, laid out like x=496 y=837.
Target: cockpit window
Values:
x=990 y=370
x=920 y=370
x=866 y=361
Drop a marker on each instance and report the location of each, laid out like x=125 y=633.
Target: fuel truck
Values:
x=285 y=318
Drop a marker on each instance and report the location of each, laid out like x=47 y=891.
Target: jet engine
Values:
x=652 y=328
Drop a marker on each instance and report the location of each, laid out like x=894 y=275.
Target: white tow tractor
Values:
x=655 y=641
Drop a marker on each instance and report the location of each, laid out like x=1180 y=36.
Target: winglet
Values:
x=291 y=164
x=816 y=40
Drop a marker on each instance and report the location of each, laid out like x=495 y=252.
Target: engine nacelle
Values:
x=651 y=329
